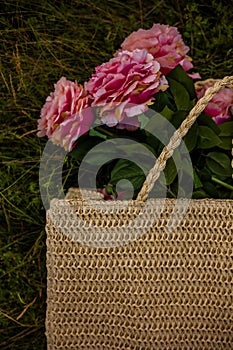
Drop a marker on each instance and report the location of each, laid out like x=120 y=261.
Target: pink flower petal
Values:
x=164 y=43
x=220 y=107
x=59 y=119
x=129 y=77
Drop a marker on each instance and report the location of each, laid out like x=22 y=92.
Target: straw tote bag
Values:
x=117 y=279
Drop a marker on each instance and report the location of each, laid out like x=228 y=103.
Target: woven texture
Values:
x=165 y=290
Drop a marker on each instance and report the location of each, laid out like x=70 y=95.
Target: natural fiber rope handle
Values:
x=176 y=138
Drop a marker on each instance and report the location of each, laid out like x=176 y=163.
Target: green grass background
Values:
x=40 y=42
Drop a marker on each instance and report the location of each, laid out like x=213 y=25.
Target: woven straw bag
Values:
x=162 y=290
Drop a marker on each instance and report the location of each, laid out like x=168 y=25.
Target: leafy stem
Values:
x=105 y=132
x=226 y=185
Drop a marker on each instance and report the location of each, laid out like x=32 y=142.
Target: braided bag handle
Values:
x=176 y=138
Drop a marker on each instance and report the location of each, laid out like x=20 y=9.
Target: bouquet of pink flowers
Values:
x=150 y=75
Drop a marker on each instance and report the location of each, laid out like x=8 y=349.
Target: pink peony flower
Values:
x=72 y=128
x=220 y=108
x=62 y=119
x=124 y=86
x=107 y=193
x=164 y=43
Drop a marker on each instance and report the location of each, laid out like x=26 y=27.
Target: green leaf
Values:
x=219 y=163
x=210 y=188
x=156 y=122
x=167 y=113
x=170 y=171
x=190 y=139
x=186 y=165
x=179 y=74
x=159 y=189
x=140 y=152
x=163 y=99
x=226 y=143
x=97 y=157
x=226 y=129
x=85 y=144
x=181 y=95
x=204 y=174
x=94 y=132
x=157 y=126
x=205 y=120
x=199 y=194
x=152 y=141
x=125 y=169
x=197 y=181
x=143 y=119
x=178 y=118
x=207 y=138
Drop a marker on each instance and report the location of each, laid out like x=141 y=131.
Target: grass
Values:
x=39 y=44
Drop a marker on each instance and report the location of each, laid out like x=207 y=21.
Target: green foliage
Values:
x=207 y=137
x=40 y=42
x=207 y=143
x=127 y=170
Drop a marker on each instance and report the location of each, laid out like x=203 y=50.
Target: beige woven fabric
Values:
x=163 y=291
